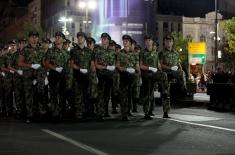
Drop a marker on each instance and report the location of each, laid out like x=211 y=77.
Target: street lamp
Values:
x=87 y=5
x=65 y=20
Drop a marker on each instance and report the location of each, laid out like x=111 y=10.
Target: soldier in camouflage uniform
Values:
x=151 y=75
x=93 y=92
x=57 y=60
x=8 y=80
x=105 y=69
x=3 y=71
x=18 y=80
x=31 y=63
x=170 y=63
x=83 y=66
x=127 y=65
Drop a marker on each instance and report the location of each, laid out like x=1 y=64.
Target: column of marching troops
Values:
x=37 y=81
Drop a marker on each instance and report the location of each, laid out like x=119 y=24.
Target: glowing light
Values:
x=92 y=5
x=82 y=5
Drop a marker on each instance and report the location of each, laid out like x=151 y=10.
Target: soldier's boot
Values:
x=165 y=115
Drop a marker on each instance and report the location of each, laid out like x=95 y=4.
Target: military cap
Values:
x=126 y=37
x=118 y=46
x=90 y=40
x=58 y=33
x=33 y=33
x=112 y=43
x=12 y=42
x=67 y=41
x=81 y=34
x=133 y=42
x=46 y=40
x=138 y=47
x=148 y=37
x=168 y=37
x=105 y=35
x=22 y=40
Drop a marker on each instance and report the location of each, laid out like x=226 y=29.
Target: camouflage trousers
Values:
x=29 y=93
x=150 y=80
x=57 y=84
x=125 y=93
x=179 y=75
x=81 y=94
x=8 y=93
x=1 y=95
x=19 y=94
x=106 y=82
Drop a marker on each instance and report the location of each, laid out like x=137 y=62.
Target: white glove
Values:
x=46 y=81
x=20 y=72
x=153 y=69
x=174 y=68
x=130 y=70
x=83 y=71
x=59 y=69
x=47 y=73
x=3 y=74
x=36 y=66
x=35 y=82
x=110 y=68
x=12 y=72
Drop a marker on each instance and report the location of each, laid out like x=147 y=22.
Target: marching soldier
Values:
x=105 y=67
x=57 y=62
x=170 y=63
x=83 y=65
x=151 y=75
x=127 y=65
x=31 y=61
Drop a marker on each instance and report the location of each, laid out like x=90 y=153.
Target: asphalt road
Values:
x=190 y=131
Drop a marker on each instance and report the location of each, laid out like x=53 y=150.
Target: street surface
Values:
x=192 y=130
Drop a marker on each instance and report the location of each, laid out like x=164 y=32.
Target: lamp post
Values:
x=87 y=5
x=216 y=32
x=65 y=20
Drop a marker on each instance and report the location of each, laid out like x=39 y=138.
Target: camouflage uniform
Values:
x=171 y=58
x=18 y=86
x=126 y=60
x=33 y=93
x=105 y=77
x=57 y=81
x=8 y=86
x=2 y=76
x=82 y=58
x=150 y=79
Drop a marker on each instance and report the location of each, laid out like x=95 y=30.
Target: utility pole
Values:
x=216 y=32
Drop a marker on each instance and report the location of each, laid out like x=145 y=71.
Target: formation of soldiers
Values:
x=56 y=82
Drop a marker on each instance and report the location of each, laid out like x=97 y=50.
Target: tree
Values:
x=228 y=57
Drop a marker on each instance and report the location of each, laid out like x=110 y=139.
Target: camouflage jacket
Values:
x=82 y=57
x=149 y=58
x=127 y=59
x=58 y=57
x=105 y=56
x=169 y=58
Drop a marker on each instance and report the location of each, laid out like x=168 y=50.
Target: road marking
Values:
x=202 y=125
x=76 y=143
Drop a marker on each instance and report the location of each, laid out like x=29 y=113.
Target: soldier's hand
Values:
x=174 y=68
x=110 y=68
x=35 y=66
x=12 y=72
x=3 y=74
x=130 y=70
x=59 y=69
x=83 y=71
x=35 y=82
x=20 y=72
x=46 y=82
x=153 y=69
